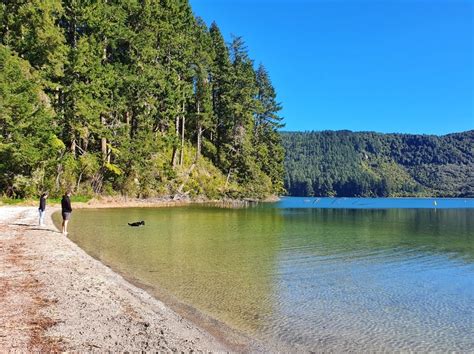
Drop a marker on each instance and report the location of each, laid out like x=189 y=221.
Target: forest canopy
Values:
x=132 y=97
x=367 y=164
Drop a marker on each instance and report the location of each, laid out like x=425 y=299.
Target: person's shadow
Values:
x=33 y=228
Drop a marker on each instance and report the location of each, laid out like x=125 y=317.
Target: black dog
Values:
x=138 y=223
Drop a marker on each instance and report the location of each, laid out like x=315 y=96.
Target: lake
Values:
x=305 y=273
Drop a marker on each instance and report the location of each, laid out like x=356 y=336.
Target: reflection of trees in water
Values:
x=448 y=231
x=219 y=260
x=226 y=262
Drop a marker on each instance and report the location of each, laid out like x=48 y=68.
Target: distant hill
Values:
x=345 y=163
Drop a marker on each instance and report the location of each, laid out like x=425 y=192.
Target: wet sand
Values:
x=54 y=297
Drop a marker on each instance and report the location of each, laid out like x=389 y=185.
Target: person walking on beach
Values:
x=66 y=210
x=42 y=208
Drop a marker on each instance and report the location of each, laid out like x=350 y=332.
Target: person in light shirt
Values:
x=42 y=208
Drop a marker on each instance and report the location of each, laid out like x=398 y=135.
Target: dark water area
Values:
x=302 y=276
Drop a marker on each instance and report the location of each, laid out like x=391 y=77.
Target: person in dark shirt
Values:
x=42 y=208
x=66 y=210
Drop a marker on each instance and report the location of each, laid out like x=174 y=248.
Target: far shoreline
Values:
x=158 y=202
x=102 y=202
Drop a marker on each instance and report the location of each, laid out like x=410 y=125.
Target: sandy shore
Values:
x=55 y=297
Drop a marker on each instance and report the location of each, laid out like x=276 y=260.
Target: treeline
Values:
x=133 y=97
x=344 y=163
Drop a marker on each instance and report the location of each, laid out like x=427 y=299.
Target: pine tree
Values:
x=267 y=140
x=27 y=135
x=221 y=80
x=202 y=65
x=31 y=28
x=243 y=105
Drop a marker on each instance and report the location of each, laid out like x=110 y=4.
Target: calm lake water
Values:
x=307 y=273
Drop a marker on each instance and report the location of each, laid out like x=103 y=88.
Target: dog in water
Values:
x=138 y=223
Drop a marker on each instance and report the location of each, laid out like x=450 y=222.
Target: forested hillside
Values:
x=133 y=97
x=343 y=163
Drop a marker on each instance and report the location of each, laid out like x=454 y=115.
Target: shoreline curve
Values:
x=56 y=297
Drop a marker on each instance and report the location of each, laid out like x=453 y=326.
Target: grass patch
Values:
x=74 y=199
x=10 y=201
x=21 y=201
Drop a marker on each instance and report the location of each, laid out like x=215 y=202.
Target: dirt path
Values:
x=54 y=297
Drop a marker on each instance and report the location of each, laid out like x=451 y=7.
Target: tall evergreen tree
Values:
x=221 y=79
x=267 y=140
x=31 y=28
x=203 y=59
x=243 y=106
x=27 y=133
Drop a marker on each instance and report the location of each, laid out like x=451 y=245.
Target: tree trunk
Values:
x=175 y=149
x=59 y=170
x=127 y=118
x=199 y=137
x=228 y=178
x=133 y=126
x=103 y=148
x=199 y=132
x=79 y=180
x=72 y=31
x=181 y=158
x=73 y=147
x=103 y=141
x=85 y=142
x=104 y=52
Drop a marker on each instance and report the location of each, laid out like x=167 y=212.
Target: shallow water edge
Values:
x=230 y=337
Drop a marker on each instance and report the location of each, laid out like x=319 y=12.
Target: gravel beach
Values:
x=54 y=297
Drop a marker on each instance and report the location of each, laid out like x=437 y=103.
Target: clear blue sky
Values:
x=380 y=65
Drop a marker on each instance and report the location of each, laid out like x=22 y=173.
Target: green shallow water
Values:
x=306 y=278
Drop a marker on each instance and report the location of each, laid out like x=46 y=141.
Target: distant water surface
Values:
x=376 y=203
x=301 y=274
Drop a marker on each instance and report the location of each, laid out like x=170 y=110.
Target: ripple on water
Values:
x=377 y=300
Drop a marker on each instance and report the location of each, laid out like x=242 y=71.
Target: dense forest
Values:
x=131 y=97
x=343 y=163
